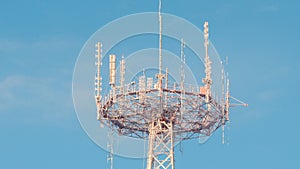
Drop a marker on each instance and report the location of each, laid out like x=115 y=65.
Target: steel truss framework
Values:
x=130 y=112
x=160 y=110
x=163 y=116
x=161 y=145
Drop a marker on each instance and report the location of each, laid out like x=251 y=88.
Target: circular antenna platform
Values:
x=174 y=97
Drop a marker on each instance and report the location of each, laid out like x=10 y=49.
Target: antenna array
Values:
x=163 y=114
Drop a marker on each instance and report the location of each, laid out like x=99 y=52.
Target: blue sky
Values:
x=39 y=44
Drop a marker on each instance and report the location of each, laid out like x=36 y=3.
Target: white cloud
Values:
x=35 y=100
x=35 y=86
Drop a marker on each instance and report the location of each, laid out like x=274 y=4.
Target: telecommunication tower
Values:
x=157 y=109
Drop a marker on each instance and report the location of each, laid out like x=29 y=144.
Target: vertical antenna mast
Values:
x=223 y=107
x=182 y=75
x=110 y=144
x=160 y=76
x=98 y=75
x=227 y=100
x=122 y=71
x=207 y=80
x=160 y=37
x=182 y=58
x=112 y=70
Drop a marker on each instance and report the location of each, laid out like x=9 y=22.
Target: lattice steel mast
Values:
x=163 y=114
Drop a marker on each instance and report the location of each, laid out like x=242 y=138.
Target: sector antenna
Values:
x=158 y=108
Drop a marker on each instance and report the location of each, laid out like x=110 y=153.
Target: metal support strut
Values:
x=161 y=145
